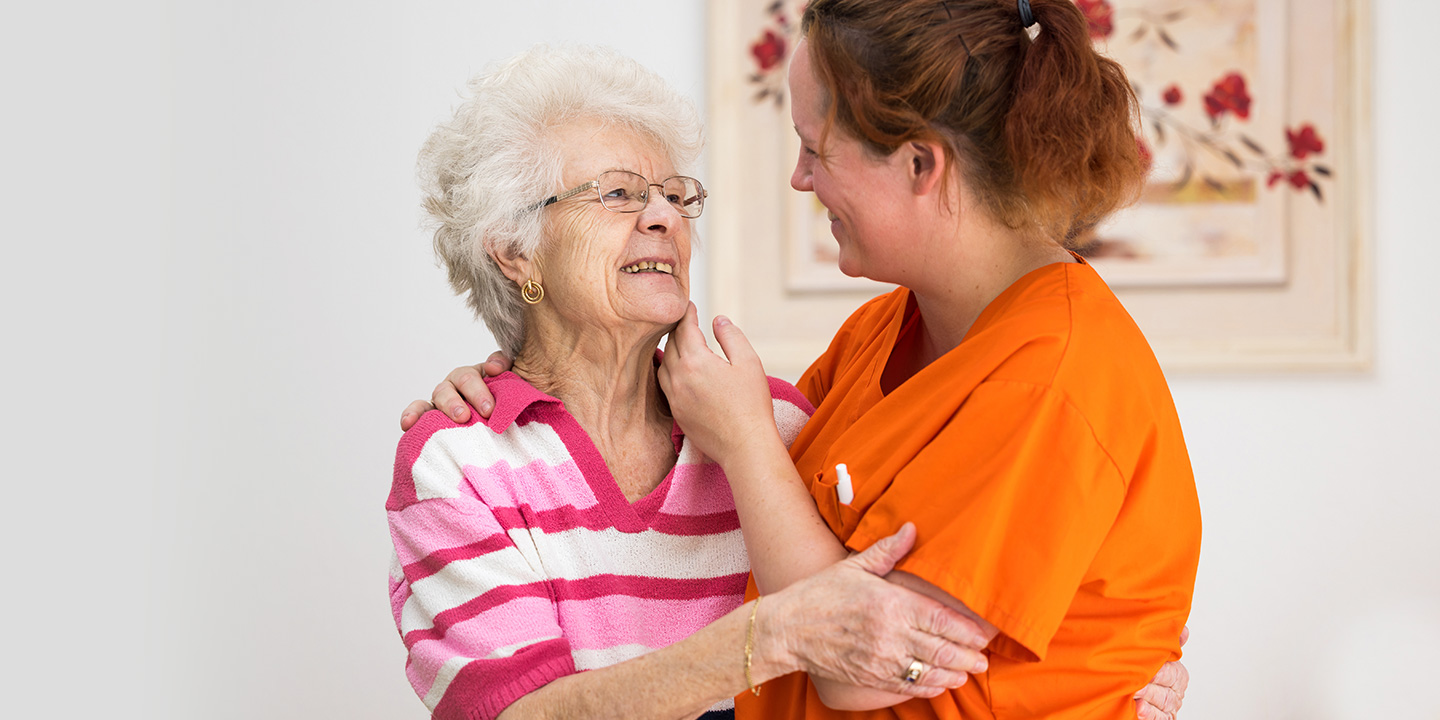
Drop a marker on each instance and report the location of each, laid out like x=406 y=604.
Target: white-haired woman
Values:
x=576 y=529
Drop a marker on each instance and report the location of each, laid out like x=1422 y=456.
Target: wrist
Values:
x=771 y=656
x=752 y=453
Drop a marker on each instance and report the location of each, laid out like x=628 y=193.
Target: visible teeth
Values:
x=649 y=266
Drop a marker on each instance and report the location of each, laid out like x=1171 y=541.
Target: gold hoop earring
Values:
x=531 y=292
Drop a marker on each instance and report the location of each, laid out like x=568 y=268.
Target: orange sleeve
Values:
x=815 y=384
x=1012 y=499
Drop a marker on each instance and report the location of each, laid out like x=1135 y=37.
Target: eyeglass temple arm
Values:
x=547 y=202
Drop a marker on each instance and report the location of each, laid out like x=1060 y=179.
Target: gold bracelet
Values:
x=750 y=645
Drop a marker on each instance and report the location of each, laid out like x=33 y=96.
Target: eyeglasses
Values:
x=623 y=191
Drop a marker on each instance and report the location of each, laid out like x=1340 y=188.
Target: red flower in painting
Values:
x=1099 y=15
x=1305 y=142
x=1299 y=180
x=769 y=50
x=1228 y=95
x=1172 y=95
x=1147 y=158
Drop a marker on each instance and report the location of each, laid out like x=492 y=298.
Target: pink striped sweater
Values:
x=518 y=560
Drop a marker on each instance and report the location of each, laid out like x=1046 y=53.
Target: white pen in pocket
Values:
x=843 y=489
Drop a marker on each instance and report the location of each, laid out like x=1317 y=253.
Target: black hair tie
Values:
x=1027 y=18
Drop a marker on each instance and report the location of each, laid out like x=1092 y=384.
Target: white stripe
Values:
x=460 y=582
x=605 y=657
x=438 y=470
x=581 y=553
x=443 y=678
x=789 y=419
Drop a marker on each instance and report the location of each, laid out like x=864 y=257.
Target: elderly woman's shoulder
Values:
x=432 y=454
x=792 y=409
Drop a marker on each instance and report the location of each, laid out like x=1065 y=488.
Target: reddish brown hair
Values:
x=1043 y=129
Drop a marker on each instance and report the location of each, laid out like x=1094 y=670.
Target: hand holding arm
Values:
x=723 y=404
x=844 y=623
x=1162 y=698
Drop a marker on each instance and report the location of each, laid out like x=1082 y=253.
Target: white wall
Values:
x=216 y=299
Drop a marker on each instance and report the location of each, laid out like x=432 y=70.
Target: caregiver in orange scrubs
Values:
x=1001 y=399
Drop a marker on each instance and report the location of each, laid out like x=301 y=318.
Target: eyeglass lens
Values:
x=624 y=191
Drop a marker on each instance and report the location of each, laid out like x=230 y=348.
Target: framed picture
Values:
x=1246 y=251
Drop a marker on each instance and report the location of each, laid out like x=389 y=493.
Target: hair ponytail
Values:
x=1043 y=130
x=1071 y=127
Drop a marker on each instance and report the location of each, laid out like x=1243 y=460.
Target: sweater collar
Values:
x=512 y=396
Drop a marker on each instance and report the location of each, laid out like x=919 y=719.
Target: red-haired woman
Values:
x=1001 y=399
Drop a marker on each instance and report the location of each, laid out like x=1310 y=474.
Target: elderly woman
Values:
x=577 y=529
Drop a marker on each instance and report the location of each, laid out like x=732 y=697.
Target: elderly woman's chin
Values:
x=654 y=297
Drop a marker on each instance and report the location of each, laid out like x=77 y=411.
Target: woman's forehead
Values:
x=590 y=148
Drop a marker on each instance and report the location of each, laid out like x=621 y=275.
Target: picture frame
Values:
x=1248 y=250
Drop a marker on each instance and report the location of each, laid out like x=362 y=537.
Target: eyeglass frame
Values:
x=595 y=185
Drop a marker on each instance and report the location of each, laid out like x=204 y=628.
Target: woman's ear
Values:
x=517 y=267
x=927 y=164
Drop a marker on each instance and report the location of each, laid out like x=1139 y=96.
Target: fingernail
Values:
x=486 y=407
x=982 y=666
x=722 y=320
x=457 y=411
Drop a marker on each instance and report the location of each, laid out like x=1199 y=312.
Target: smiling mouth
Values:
x=643 y=267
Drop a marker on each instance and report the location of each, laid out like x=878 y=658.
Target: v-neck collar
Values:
x=514 y=396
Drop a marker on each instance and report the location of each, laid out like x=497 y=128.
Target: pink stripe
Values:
x=441 y=529
x=446 y=619
x=436 y=561
x=399 y=593
x=621 y=620
x=648 y=587
x=692 y=525
x=421 y=674
x=537 y=484
x=562 y=520
x=484 y=688
x=423 y=528
x=552 y=521
x=517 y=621
x=582 y=589
x=698 y=489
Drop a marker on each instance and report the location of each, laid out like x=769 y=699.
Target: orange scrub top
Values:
x=1043 y=465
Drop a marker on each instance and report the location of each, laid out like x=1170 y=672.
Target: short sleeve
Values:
x=815 y=383
x=477 y=617
x=1011 y=500
x=792 y=409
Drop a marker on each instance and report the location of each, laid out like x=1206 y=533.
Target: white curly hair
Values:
x=484 y=169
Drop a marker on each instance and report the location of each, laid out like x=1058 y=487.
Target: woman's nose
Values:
x=801 y=178
x=659 y=215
